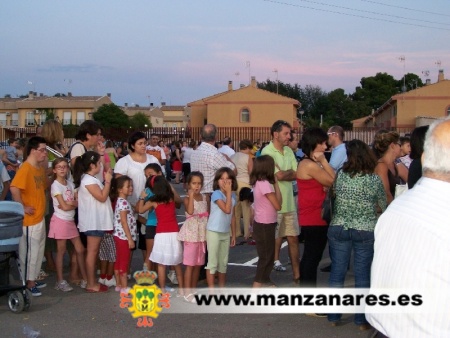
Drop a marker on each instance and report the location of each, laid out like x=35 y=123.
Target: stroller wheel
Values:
x=27 y=297
x=16 y=301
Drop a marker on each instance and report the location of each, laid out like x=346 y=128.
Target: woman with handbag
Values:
x=314 y=177
x=359 y=192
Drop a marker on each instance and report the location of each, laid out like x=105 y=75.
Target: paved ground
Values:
x=78 y=314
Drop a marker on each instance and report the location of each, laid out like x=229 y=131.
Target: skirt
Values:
x=167 y=249
x=177 y=166
x=62 y=229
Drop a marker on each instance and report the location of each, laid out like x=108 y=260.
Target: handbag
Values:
x=328 y=202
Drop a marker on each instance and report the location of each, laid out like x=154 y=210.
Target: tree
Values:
x=140 y=120
x=111 y=116
x=412 y=81
x=376 y=90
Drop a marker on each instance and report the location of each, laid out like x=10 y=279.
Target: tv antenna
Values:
x=403 y=59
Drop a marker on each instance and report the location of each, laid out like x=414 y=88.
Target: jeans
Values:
x=315 y=242
x=341 y=242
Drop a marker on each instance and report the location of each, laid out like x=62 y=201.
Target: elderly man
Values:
x=285 y=171
x=207 y=159
x=226 y=147
x=412 y=245
x=154 y=149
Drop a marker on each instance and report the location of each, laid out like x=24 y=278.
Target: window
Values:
x=448 y=111
x=42 y=118
x=3 y=119
x=245 y=115
x=81 y=117
x=29 y=121
x=67 y=117
x=15 y=119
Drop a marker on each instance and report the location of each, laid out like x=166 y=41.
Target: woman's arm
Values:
x=249 y=164
x=402 y=171
x=382 y=171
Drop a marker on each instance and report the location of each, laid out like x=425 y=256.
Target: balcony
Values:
x=29 y=122
x=15 y=123
x=67 y=121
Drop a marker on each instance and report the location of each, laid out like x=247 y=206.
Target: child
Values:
x=193 y=232
x=220 y=222
x=150 y=170
x=405 y=150
x=125 y=230
x=167 y=249
x=267 y=201
x=62 y=225
x=95 y=214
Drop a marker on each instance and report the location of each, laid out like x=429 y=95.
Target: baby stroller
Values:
x=11 y=221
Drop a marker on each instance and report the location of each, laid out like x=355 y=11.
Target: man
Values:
x=207 y=159
x=5 y=182
x=154 y=149
x=336 y=141
x=338 y=158
x=226 y=147
x=412 y=248
x=285 y=171
x=28 y=188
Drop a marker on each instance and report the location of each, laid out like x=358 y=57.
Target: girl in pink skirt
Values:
x=62 y=225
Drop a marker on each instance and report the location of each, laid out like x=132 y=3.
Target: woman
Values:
x=314 y=177
x=386 y=146
x=244 y=165
x=122 y=149
x=358 y=193
x=187 y=152
x=133 y=165
x=415 y=168
x=111 y=153
x=177 y=164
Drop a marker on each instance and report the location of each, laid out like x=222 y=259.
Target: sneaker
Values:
x=125 y=291
x=63 y=286
x=42 y=274
x=277 y=266
x=172 y=277
x=110 y=282
x=102 y=280
x=35 y=291
x=83 y=284
x=40 y=285
x=118 y=288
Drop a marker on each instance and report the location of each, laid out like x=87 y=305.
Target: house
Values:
x=32 y=111
x=411 y=109
x=247 y=106
x=154 y=114
x=175 y=116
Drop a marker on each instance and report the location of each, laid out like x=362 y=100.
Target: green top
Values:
x=285 y=161
x=356 y=201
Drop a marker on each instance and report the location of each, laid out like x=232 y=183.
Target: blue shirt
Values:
x=219 y=221
x=151 y=217
x=338 y=157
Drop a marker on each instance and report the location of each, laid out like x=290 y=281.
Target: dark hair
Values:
x=109 y=144
x=195 y=174
x=417 y=141
x=360 y=159
x=263 y=170
x=245 y=144
x=404 y=139
x=82 y=165
x=154 y=166
x=57 y=161
x=278 y=125
x=87 y=127
x=226 y=140
x=311 y=138
x=231 y=175
x=11 y=141
x=136 y=136
x=161 y=189
x=246 y=194
x=382 y=140
x=116 y=184
x=33 y=143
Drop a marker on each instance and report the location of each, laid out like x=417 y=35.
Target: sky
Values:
x=179 y=51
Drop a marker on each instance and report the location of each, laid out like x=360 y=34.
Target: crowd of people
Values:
x=109 y=201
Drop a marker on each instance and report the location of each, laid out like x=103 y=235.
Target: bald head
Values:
x=209 y=133
x=436 y=156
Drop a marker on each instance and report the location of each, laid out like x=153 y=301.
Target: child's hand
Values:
x=232 y=241
x=108 y=175
x=131 y=243
x=191 y=193
x=226 y=185
x=74 y=203
x=143 y=194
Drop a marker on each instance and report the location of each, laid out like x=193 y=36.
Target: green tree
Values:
x=411 y=81
x=376 y=90
x=111 y=116
x=139 y=121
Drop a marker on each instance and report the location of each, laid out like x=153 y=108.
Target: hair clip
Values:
x=92 y=157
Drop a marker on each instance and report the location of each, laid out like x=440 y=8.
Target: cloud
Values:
x=86 y=68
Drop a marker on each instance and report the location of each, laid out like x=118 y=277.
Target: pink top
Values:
x=264 y=211
x=310 y=199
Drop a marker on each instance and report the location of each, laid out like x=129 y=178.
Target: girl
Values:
x=95 y=214
x=167 y=249
x=267 y=201
x=193 y=232
x=124 y=230
x=62 y=225
x=220 y=221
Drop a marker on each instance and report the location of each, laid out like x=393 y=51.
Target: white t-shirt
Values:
x=67 y=194
x=4 y=176
x=226 y=150
x=123 y=205
x=93 y=214
x=135 y=170
x=187 y=154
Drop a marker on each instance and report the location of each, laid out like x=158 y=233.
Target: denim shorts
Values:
x=94 y=233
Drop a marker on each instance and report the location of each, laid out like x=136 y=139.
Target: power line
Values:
x=354 y=15
x=408 y=9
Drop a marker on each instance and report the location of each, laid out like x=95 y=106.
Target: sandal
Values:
x=101 y=288
x=190 y=299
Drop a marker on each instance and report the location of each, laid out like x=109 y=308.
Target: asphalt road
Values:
x=79 y=314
